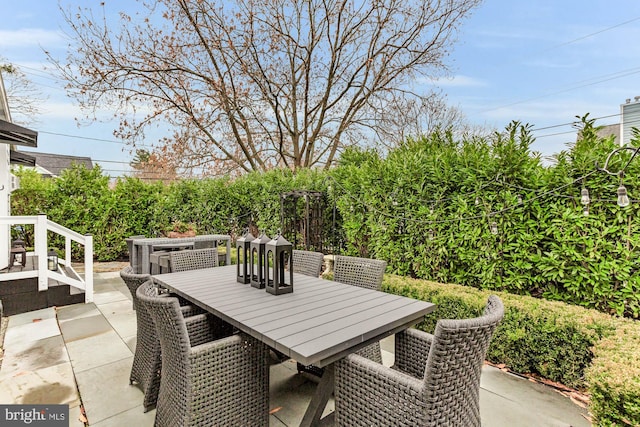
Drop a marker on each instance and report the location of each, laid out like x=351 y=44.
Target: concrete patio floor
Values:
x=81 y=355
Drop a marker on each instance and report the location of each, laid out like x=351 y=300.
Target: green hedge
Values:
x=83 y=201
x=578 y=347
x=545 y=247
x=485 y=212
x=427 y=208
x=614 y=377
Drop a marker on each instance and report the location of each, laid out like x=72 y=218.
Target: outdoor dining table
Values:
x=320 y=322
x=141 y=248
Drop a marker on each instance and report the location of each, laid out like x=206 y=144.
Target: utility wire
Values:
x=573 y=123
x=618 y=75
x=600 y=79
x=82 y=137
x=151 y=146
x=556 y=134
x=591 y=34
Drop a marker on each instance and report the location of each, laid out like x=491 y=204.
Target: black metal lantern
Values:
x=258 y=269
x=52 y=260
x=18 y=253
x=278 y=256
x=243 y=248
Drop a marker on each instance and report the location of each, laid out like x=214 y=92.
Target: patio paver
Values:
x=100 y=340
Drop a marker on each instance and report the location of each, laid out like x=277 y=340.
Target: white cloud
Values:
x=27 y=37
x=61 y=110
x=545 y=111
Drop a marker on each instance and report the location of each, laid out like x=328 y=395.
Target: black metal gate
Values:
x=301 y=219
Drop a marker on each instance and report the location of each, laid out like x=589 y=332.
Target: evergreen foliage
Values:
x=481 y=212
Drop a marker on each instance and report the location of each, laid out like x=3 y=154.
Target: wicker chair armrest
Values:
x=203 y=328
x=374 y=394
x=202 y=350
x=412 y=351
x=237 y=340
x=227 y=347
x=190 y=310
x=183 y=301
x=199 y=329
x=380 y=374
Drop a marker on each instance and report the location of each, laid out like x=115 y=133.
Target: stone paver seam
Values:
x=75 y=380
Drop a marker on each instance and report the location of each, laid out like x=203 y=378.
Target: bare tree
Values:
x=23 y=96
x=151 y=167
x=253 y=84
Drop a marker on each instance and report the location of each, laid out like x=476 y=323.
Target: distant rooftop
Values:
x=51 y=165
x=609 y=130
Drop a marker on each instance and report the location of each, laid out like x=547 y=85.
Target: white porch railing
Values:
x=41 y=228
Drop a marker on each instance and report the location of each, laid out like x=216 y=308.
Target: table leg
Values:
x=144 y=268
x=312 y=417
x=228 y=261
x=133 y=258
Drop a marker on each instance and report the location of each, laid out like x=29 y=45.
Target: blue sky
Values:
x=543 y=62
x=540 y=62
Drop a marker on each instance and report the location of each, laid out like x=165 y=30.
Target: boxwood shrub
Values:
x=582 y=348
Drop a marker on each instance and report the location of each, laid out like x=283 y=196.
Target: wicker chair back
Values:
x=435 y=380
x=133 y=281
x=221 y=382
x=146 y=367
x=307 y=262
x=363 y=272
x=194 y=259
x=452 y=374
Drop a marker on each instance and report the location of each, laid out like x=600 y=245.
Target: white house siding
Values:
x=630 y=119
x=5 y=180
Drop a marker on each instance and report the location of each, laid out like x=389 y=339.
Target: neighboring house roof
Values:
x=50 y=165
x=608 y=130
x=21 y=159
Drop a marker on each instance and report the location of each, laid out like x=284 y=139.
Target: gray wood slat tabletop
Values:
x=318 y=323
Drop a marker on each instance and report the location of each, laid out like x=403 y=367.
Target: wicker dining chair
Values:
x=133 y=281
x=145 y=369
x=362 y=272
x=365 y=273
x=224 y=382
x=307 y=262
x=193 y=259
x=435 y=380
